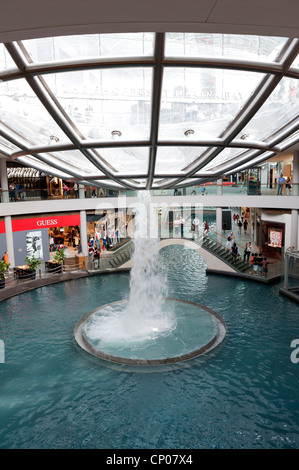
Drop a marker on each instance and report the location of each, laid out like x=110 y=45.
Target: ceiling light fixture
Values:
x=189 y=132
x=115 y=134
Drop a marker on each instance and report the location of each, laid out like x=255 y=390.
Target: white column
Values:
x=4 y=181
x=9 y=241
x=295 y=185
x=294 y=228
x=83 y=233
x=81 y=191
x=219 y=211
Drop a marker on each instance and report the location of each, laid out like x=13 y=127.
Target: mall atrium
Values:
x=195 y=103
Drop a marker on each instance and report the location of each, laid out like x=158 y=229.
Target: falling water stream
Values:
x=147 y=325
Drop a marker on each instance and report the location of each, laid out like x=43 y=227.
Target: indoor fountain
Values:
x=149 y=328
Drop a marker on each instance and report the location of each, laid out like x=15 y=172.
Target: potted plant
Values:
x=59 y=258
x=32 y=263
x=3 y=269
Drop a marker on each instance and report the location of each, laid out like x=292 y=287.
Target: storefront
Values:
x=114 y=225
x=272 y=239
x=38 y=236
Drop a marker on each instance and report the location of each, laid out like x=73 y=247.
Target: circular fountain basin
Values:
x=193 y=330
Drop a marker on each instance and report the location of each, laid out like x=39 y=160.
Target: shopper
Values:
x=265 y=263
x=96 y=259
x=259 y=262
x=229 y=241
x=252 y=263
x=65 y=190
x=182 y=222
x=206 y=227
x=247 y=252
x=280 y=184
x=5 y=257
x=235 y=252
x=240 y=226
x=288 y=185
x=245 y=225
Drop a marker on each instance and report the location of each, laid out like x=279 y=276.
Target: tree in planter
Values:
x=3 y=269
x=59 y=257
x=32 y=263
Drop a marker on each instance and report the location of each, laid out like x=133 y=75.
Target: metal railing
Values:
x=211 y=189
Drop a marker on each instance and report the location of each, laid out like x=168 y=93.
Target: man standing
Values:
x=280 y=184
x=182 y=222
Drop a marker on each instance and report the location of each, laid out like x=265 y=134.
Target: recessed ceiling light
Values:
x=53 y=137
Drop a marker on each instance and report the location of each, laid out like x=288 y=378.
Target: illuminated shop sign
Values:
x=45 y=222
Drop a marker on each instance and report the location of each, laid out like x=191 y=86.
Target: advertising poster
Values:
x=34 y=244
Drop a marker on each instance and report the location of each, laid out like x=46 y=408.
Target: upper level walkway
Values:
x=38 y=206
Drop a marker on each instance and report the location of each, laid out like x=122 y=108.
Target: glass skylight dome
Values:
x=148 y=110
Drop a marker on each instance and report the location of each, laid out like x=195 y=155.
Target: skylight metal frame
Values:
x=255 y=150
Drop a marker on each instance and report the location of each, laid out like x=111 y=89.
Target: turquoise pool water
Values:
x=244 y=394
x=179 y=337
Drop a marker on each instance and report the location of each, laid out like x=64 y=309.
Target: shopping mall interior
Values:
x=149 y=163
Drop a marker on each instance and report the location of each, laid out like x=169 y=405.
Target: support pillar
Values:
x=295 y=185
x=83 y=233
x=81 y=191
x=9 y=241
x=219 y=212
x=4 y=181
x=294 y=228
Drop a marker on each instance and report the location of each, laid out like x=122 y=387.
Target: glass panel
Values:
x=175 y=159
x=202 y=100
x=75 y=161
x=112 y=183
x=6 y=61
x=90 y=46
x=223 y=157
x=296 y=62
x=131 y=161
x=255 y=48
x=289 y=141
x=102 y=101
x=7 y=147
x=280 y=108
x=22 y=112
x=35 y=163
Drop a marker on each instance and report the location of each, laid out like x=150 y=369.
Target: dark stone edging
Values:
x=247 y=277
x=215 y=341
x=289 y=294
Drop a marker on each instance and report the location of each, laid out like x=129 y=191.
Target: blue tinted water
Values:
x=242 y=395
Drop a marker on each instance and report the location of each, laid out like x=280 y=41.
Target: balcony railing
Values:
x=211 y=189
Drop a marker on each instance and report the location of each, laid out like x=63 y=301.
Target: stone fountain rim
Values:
x=212 y=344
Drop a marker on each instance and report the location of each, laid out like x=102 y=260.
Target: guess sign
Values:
x=45 y=222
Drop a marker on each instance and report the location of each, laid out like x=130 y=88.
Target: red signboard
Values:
x=45 y=222
x=2 y=226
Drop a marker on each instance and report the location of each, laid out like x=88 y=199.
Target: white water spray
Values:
x=145 y=315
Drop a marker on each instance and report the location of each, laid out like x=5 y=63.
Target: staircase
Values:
x=120 y=258
x=224 y=254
